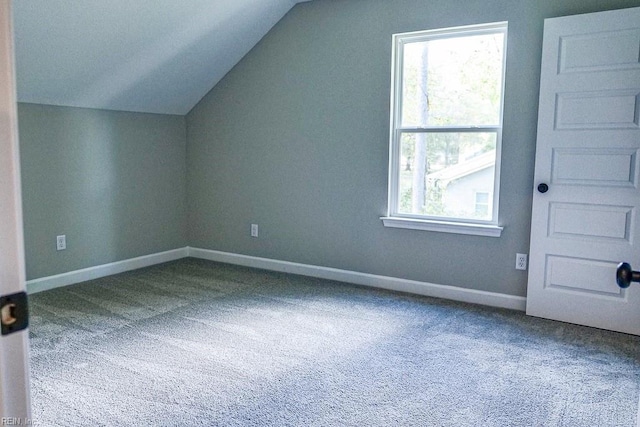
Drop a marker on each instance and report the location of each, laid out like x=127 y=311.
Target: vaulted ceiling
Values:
x=155 y=56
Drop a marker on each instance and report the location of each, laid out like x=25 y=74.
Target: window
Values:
x=446 y=129
x=482 y=204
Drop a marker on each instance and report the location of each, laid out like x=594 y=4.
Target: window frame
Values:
x=394 y=218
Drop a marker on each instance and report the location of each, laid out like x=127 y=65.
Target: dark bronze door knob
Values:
x=625 y=275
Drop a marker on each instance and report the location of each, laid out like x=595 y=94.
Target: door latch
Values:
x=14 y=313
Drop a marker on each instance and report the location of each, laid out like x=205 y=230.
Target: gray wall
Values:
x=113 y=182
x=295 y=138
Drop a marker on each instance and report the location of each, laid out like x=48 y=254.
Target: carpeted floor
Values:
x=194 y=342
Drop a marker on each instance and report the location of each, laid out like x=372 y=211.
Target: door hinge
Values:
x=15 y=313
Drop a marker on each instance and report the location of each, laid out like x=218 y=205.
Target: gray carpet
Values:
x=193 y=343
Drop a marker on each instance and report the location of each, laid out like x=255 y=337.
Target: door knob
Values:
x=14 y=313
x=543 y=188
x=625 y=275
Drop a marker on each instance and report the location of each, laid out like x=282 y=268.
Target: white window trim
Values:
x=395 y=219
x=470 y=228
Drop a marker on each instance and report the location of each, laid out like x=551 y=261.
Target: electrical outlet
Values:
x=254 y=230
x=61 y=242
x=521 y=261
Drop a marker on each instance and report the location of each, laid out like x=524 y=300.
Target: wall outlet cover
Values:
x=521 y=261
x=61 y=242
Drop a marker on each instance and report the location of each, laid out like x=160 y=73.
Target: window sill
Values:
x=443 y=226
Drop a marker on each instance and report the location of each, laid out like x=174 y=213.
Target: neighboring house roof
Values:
x=463 y=169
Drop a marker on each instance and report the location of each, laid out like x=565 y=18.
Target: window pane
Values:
x=482 y=204
x=454 y=81
x=447 y=174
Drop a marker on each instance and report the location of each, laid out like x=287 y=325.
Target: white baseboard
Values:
x=77 y=276
x=384 y=282
x=391 y=283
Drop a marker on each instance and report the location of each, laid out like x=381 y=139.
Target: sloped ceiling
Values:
x=154 y=56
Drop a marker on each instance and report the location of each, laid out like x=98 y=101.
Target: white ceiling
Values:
x=154 y=56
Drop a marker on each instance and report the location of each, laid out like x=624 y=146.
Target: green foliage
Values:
x=463 y=84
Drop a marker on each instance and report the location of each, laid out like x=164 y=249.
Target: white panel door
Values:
x=587 y=155
x=14 y=370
